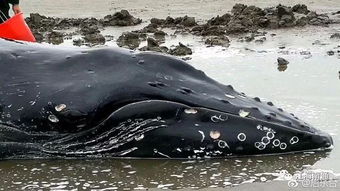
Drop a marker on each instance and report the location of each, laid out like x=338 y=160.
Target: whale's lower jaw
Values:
x=165 y=129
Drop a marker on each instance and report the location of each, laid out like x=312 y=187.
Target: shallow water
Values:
x=309 y=88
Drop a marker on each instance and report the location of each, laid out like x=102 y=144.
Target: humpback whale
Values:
x=111 y=102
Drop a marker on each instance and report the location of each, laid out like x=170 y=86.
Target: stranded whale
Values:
x=110 y=102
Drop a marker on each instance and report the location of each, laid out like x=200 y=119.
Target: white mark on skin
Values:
x=260 y=145
x=215 y=134
x=162 y=154
x=216 y=118
x=53 y=119
x=32 y=102
x=270 y=135
x=265 y=129
x=60 y=107
x=230 y=96
x=190 y=111
x=283 y=146
x=203 y=136
x=243 y=113
x=241 y=137
x=265 y=140
x=222 y=144
x=223 y=117
x=294 y=140
x=276 y=142
x=140 y=137
x=128 y=151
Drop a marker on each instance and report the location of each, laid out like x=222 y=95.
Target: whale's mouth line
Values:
x=207 y=109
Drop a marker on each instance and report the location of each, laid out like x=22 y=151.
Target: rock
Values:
x=250 y=37
x=89 y=29
x=157 y=21
x=261 y=40
x=94 y=39
x=213 y=31
x=160 y=33
x=283 y=10
x=236 y=27
x=151 y=28
x=330 y=53
x=152 y=45
x=122 y=18
x=223 y=20
x=238 y=8
x=181 y=50
x=287 y=21
x=335 y=36
x=78 y=42
x=302 y=21
x=55 y=37
x=38 y=36
x=318 y=20
x=282 y=68
x=300 y=8
x=129 y=40
x=282 y=61
x=152 y=42
x=188 y=21
x=218 y=41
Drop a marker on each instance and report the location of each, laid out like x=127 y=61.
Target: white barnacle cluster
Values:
x=215 y=135
x=190 y=111
x=294 y=140
x=219 y=118
x=229 y=96
x=60 y=107
x=267 y=139
x=243 y=113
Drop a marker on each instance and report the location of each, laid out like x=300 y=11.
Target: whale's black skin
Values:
x=109 y=102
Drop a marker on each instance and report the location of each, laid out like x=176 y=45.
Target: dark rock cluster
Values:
x=242 y=19
x=45 y=28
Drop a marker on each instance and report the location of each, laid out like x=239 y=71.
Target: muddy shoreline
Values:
x=246 y=22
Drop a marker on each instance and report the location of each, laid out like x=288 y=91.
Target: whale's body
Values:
x=109 y=102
